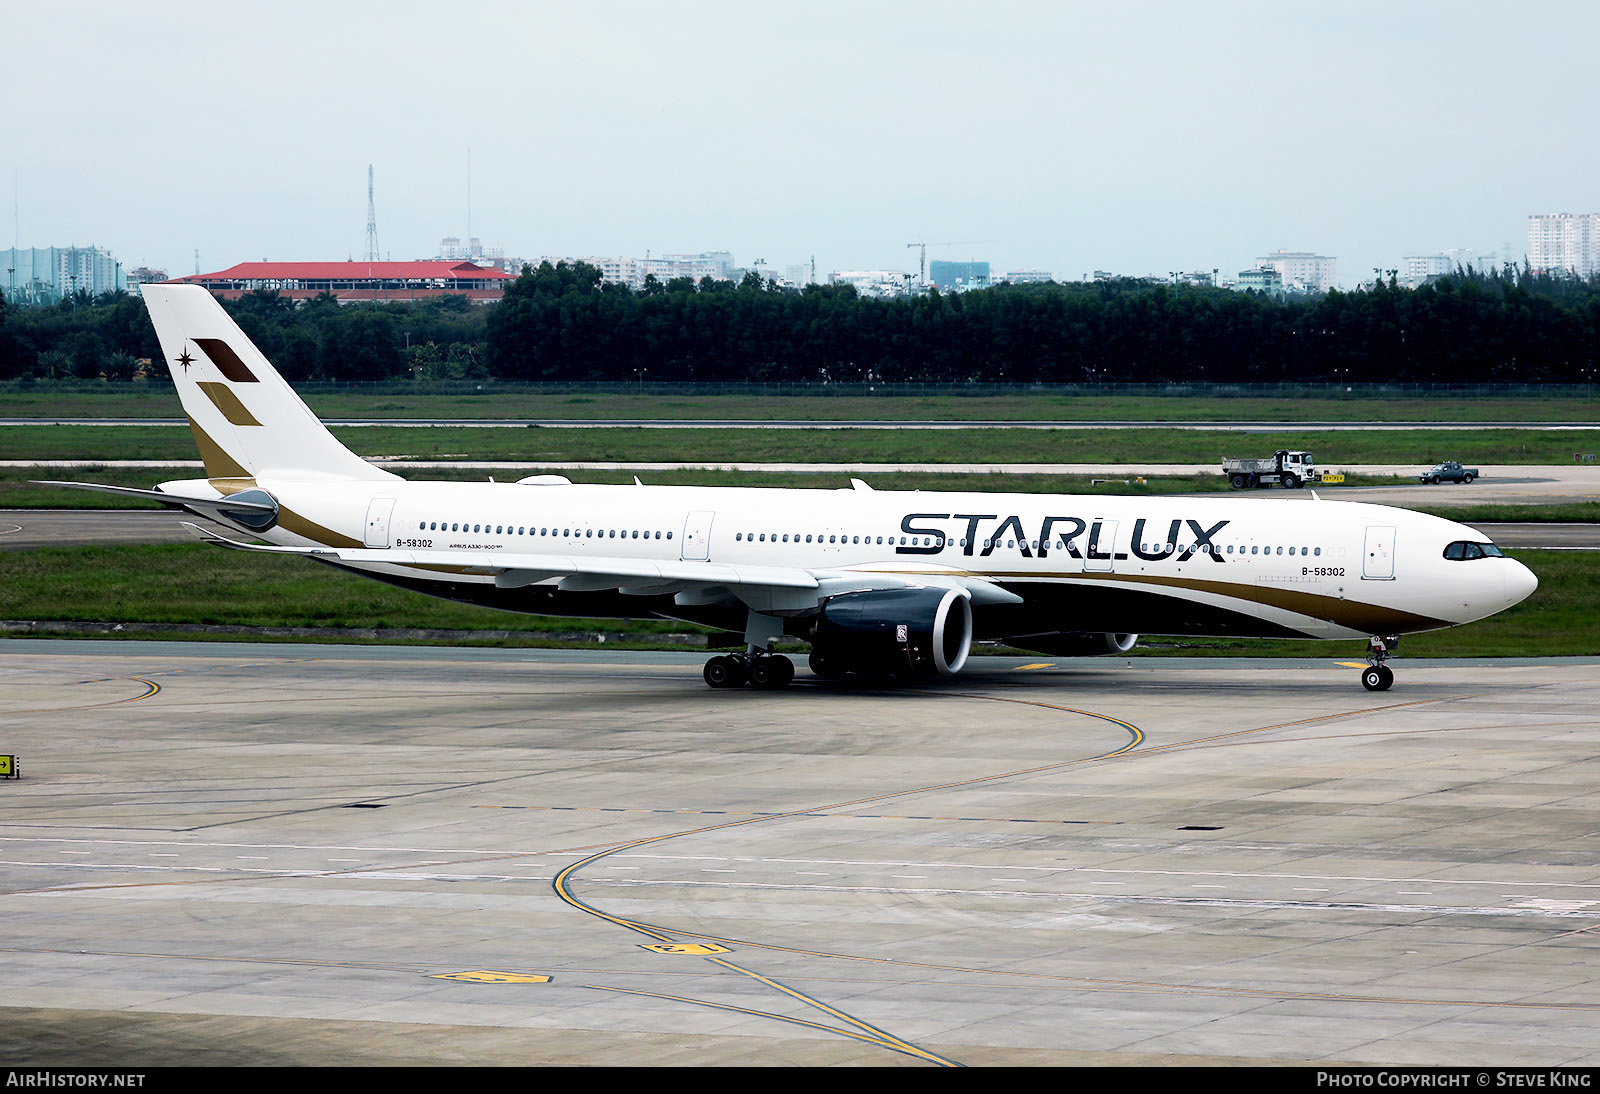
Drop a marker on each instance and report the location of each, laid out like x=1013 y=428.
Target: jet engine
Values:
x=893 y=632
x=1074 y=643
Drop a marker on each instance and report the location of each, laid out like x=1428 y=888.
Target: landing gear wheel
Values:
x=1377 y=677
x=723 y=672
x=771 y=672
x=718 y=672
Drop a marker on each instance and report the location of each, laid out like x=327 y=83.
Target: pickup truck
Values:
x=1449 y=471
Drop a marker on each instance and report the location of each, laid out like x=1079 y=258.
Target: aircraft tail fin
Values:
x=246 y=419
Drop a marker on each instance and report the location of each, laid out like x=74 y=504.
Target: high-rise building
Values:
x=46 y=274
x=1303 y=271
x=958 y=276
x=1262 y=279
x=1564 y=243
x=1418 y=270
x=717 y=265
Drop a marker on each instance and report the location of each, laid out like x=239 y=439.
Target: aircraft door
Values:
x=1377 y=556
x=696 y=546
x=378 y=514
x=1098 y=553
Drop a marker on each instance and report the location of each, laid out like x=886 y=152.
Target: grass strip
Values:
x=100 y=400
x=195 y=584
x=1420 y=447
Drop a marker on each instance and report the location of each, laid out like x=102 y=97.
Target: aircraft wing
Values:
x=762 y=587
x=513 y=568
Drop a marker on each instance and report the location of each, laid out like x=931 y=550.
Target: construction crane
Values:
x=922 y=273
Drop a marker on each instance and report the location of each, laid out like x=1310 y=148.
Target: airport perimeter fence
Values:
x=819 y=389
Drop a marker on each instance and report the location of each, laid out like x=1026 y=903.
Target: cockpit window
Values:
x=1462 y=549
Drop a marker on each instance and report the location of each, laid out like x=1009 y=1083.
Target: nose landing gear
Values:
x=1377 y=676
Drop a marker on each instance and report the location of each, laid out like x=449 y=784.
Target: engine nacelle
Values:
x=903 y=632
x=1075 y=644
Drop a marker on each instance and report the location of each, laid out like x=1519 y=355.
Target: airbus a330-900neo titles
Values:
x=878 y=582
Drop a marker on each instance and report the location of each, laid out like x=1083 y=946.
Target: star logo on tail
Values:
x=186 y=360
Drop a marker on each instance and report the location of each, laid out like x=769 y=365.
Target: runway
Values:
x=314 y=854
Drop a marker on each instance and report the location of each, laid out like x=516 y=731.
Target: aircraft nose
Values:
x=1520 y=582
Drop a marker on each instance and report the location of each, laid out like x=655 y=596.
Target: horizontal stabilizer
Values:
x=175 y=500
x=235 y=509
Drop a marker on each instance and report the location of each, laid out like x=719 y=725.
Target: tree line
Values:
x=563 y=322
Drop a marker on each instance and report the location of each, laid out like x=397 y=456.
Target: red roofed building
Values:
x=358 y=282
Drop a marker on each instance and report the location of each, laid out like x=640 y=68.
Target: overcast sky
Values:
x=1137 y=136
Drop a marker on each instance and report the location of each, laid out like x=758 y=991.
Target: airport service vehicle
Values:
x=880 y=583
x=1290 y=469
x=1448 y=471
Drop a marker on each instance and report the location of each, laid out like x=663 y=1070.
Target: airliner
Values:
x=885 y=584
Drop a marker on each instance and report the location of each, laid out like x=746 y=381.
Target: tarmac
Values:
x=270 y=854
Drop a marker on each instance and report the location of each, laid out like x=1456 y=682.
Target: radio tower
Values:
x=372 y=221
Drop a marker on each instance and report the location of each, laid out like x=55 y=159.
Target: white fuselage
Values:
x=1077 y=563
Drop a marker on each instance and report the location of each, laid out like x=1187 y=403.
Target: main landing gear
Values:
x=756 y=666
x=1377 y=676
x=768 y=671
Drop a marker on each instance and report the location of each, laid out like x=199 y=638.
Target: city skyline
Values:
x=1153 y=138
